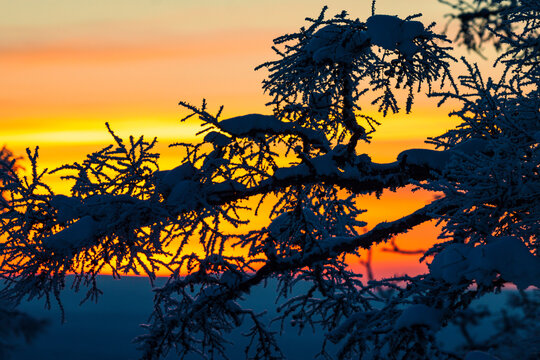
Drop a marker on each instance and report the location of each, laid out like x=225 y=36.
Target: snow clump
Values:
x=419 y=314
x=507 y=256
x=335 y=43
x=167 y=179
x=392 y=33
x=251 y=124
x=68 y=208
x=217 y=139
x=77 y=235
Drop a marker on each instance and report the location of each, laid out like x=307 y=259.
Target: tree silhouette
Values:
x=124 y=214
x=13 y=323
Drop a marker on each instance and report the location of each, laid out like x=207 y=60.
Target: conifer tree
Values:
x=124 y=213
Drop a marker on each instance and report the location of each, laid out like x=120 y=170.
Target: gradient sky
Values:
x=67 y=67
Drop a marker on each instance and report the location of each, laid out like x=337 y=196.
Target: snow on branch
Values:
x=256 y=124
x=126 y=215
x=506 y=256
x=180 y=197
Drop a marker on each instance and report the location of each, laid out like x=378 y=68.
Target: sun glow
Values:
x=65 y=74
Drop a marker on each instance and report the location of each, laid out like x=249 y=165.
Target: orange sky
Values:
x=68 y=67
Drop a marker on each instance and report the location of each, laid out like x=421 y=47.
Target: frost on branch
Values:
x=301 y=163
x=13 y=323
x=481 y=21
x=326 y=70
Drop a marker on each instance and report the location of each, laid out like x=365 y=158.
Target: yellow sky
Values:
x=67 y=67
x=70 y=66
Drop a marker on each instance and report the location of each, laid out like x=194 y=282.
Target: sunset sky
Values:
x=67 y=67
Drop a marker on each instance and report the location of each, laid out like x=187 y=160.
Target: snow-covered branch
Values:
x=126 y=215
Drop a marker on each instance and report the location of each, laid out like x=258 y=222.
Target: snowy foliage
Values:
x=13 y=323
x=124 y=214
x=8 y=167
x=327 y=69
x=481 y=20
